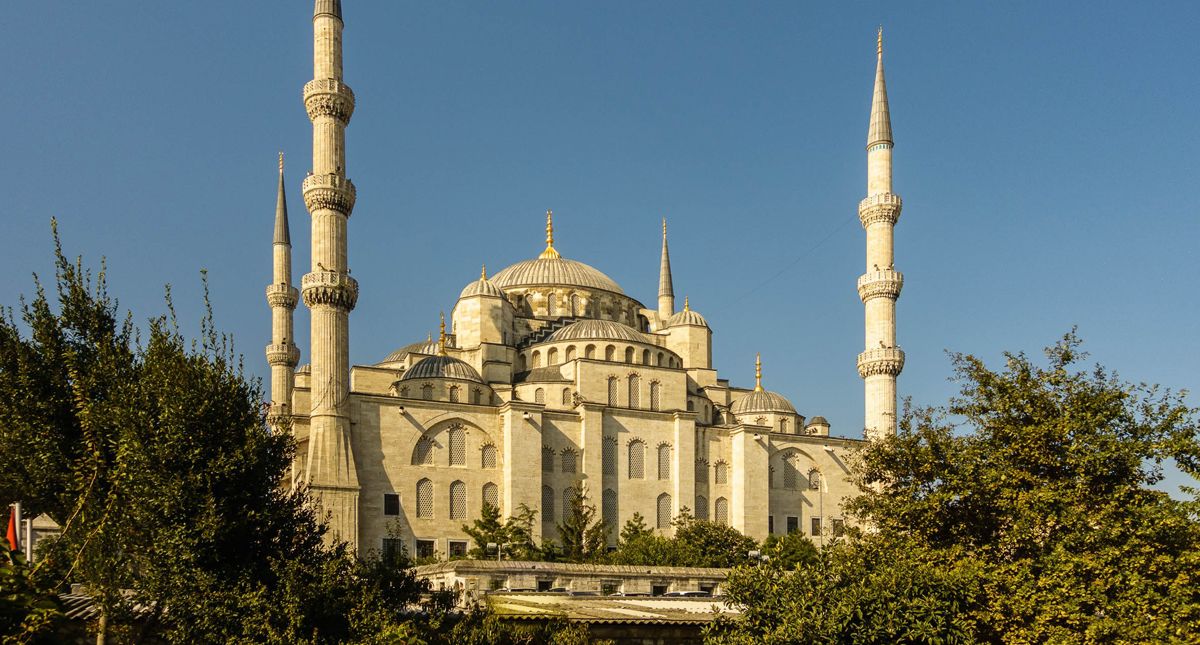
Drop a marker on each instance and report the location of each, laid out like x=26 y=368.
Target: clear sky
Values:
x=1046 y=154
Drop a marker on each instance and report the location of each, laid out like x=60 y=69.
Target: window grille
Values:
x=721 y=509
x=701 y=507
x=570 y=353
x=589 y=351
x=610 y=353
x=539 y=395
x=637 y=459
x=487 y=457
x=427 y=392
x=423 y=453
x=612 y=391
x=458 y=501
x=547 y=459
x=568 y=500
x=454 y=394
x=664 y=461
x=721 y=473
x=783 y=426
x=424 y=498
x=655 y=395
x=491 y=495
x=790 y=472
x=458 y=446
x=701 y=472
x=635 y=386
x=609 y=456
x=664 y=511
x=608 y=510
x=552 y=306
x=566 y=399
x=568 y=460
x=547 y=504
x=552 y=356
x=814 y=479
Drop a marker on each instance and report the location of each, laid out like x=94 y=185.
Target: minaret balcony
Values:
x=282 y=295
x=884 y=207
x=328 y=97
x=884 y=360
x=332 y=288
x=329 y=192
x=283 y=354
x=880 y=284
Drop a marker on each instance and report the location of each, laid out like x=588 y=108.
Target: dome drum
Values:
x=438 y=367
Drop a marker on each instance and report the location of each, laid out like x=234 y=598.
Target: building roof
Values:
x=423 y=347
x=880 y=128
x=686 y=317
x=762 y=401
x=818 y=421
x=481 y=287
x=597 y=330
x=442 y=367
x=609 y=609
x=548 y=271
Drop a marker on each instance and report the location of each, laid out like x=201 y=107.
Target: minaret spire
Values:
x=328 y=289
x=879 y=288
x=666 y=290
x=282 y=353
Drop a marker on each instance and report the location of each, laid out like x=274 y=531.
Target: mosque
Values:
x=552 y=379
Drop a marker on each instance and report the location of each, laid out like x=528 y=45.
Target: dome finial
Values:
x=686 y=305
x=549 y=253
x=483 y=273
x=879 y=42
x=441 y=350
x=758 y=373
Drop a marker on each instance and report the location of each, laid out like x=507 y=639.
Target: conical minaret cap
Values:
x=880 y=130
x=282 y=235
x=665 y=287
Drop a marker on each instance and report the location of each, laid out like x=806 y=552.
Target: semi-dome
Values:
x=818 y=421
x=556 y=272
x=763 y=401
x=442 y=367
x=481 y=287
x=428 y=346
x=597 y=330
x=686 y=317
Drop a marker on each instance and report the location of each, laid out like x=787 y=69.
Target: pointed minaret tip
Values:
x=441 y=348
x=282 y=234
x=550 y=253
x=666 y=286
x=880 y=129
x=758 y=372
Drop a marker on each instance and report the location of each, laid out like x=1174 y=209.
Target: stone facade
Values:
x=551 y=379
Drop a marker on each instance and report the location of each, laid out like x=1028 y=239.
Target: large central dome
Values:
x=554 y=271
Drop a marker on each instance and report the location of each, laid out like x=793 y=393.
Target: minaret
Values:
x=329 y=291
x=282 y=353
x=666 y=291
x=881 y=361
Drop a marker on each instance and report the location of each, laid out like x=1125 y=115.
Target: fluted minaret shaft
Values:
x=666 y=291
x=879 y=288
x=328 y=290
x=282 y=353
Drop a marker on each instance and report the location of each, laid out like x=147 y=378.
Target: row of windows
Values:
x=661 y=359
x=633 y=387
x=720 y=473
x=791 y=477
x=720 y=509
x=490 y=494
x=456 y=440
x=455 y=394
x=608 y=507
x=815 y=528
x=569 y=460
x=539 y=396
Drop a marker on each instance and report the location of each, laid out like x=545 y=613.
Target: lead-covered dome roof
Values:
x=686 y=317
x=423 y=347
x=762 y=401
x=442 y=367
x=554 y=272
x=596 y=330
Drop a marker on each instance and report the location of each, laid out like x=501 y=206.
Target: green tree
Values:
x=704 y=543
x=790 y=551
x=28 y=611
x=581 y=537
x=488 y=529
x=1025 y=506
x=634 y=528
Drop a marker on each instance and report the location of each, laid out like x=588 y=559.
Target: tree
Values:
x=28 y=611
x=581 y=537
x=634 y=528
x=790 y=551
x=704 y=543
x=1025 y=505
x=488 y=529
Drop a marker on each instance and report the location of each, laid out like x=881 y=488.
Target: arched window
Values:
x=552 y=356
x=566 y=396
x=814 y=479
x=790 y=471
x=547 y=504
x=539 y=395
x=610 y=353
x=454 y=394
x=645 y=357
x=589 y=351
x=552 y=305
x=609 y=456
x=721 y=473
x=547 y=459
x=772 y=478
x=576 y=305
x=637 y=459
x=477 y=396
x=612 y=391
x=487 y=456
x=664 y=511
x=491 y=495
x=569 y=457
x=783 y=426
x=664 y=461
x=425 y=498
x=427 y=392
x=571 y=353
x=691 y=406
x=628 y=354
x=458 y=446
x=701 y=507
x=568 y=504
x=760 y=421
x=655 y=395
x=721 y=511
x=423 y=453
x=535 y=359
x=701 y=472
x=404 y=392
x=635 y=389
x=458 y=501
x=608 y=509
x=660 y=359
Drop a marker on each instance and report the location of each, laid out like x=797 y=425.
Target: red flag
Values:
x=13 y=542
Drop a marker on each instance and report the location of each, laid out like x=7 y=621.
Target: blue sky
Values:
x=1045 y=153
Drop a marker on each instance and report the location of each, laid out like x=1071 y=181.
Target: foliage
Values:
x=695 y=543
x=485 y=628
x=27 y=610
x=790 y=551
x=1031 y=519
x=634 y=528
x=581 y=537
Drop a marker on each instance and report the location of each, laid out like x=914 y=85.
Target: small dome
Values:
x=686 y=317
x=305 y=369
x=423 y=347
x=762 y=401
x=551 y=271
x=818 y=421
x=597 y=330
x=481 y=287
x=442 y=367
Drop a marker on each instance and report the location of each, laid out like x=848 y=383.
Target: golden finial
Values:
x=280 y=161
x=441 y=350
x=879 y=42
x=758 y=373
x=549 y=253
x=483 y=273
x=686 y=306
x=429 y=337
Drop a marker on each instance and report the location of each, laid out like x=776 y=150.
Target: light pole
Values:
x=499 y=548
